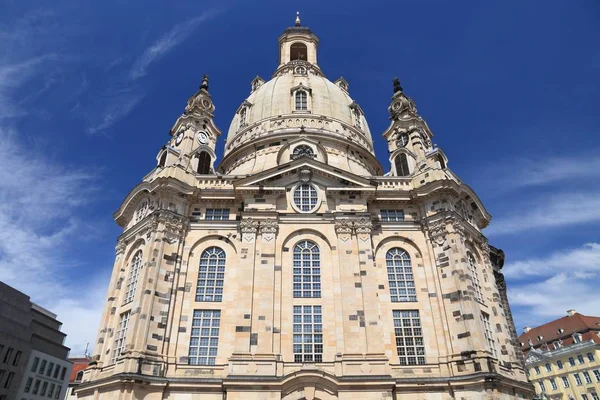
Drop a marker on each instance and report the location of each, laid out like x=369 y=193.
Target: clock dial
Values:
x=402 y=140
x=179 y=138
x=202 y=137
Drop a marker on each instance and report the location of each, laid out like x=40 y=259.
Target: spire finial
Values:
x=397 y=86
x=204 y=84
x=297 y=18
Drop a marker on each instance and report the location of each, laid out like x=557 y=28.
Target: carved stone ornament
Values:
x=120 y=247
x=343 y=227
x=363 y=226
x=460 y=230
x=305 y=175
x=500 y=281
x=268 y=229
x=248 y=228
x=438 y=232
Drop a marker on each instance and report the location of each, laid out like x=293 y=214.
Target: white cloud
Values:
x=39 y=199
x=541 y=289
x=167 y=42
x=554 y=211
x=118 y=107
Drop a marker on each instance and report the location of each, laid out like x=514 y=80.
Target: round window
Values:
x=306 y=197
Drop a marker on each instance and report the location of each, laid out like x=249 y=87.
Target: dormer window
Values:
x=298 y=51
x=303 y=151
x=301 y=100
x=577 y=338
x=243 y=117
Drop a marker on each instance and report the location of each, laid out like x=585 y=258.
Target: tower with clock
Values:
x=298 y=268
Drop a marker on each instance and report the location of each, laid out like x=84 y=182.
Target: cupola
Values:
x=298 y=43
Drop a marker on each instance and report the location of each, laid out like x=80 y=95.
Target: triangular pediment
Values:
x=302 y=168
x=534 y=356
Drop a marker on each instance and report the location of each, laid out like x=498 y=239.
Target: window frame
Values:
x=301 y=100
x=135 y=265
x=217 y=214
x=211 y=275
x=401 y=160
x=306 y=270
x=307 y=333
x=204 y=319
x=474 y=270
x=121 y=336
x=409 y=337
x=301 y=203
x=391 y=215
x=400 y=276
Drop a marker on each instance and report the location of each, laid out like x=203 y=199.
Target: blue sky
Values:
x=89 y=91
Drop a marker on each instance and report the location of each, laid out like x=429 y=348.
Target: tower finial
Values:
x=397 y=86
x=297 y=18
x=204 y=84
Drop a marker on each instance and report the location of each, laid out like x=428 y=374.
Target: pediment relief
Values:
x=298 y=170
x=534 y=357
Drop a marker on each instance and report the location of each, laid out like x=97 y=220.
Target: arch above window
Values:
x=400 y=275
x=303 y=150
x=204 y=161
x=307 y=270
x=401 y=163
x=211 y=275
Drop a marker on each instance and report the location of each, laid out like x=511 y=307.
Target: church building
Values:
x=298 y=268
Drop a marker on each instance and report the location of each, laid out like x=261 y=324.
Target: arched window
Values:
x=475 y=277
x=400 y=275
x=163 y=159
x=301 y=101
x=134 y=271
x=79 y=376
x=243 y=117
x=303 y=151
x=307 y=270
x=203 y=163
x=298 y=51
x=211 y=275
x=402 y=165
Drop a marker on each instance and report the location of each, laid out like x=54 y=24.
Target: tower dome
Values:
x=299 y=101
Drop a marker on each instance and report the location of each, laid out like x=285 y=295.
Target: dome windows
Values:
x=301 y=101
x=243 y=116
x=306 y=197
x=298 y=51
x=303 y=151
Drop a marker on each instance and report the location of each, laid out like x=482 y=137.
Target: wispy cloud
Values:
x=117 y=108
x=167 y=42
x=39 y=199
x=557 y=210
x=562 y=280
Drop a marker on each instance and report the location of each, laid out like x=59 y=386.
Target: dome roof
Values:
x=275 y=98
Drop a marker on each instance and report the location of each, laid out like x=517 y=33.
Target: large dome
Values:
x=274 y=99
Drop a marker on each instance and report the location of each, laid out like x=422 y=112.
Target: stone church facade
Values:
x=297 y=269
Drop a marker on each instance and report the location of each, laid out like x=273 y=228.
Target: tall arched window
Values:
x=134 y=272
x=400 y=275
x=475 y=277
x=203 y=163
x=211 y=275
x=402 y=165
x=301 y=100
x=163 y=159
x=307 y=270
x=298 y=52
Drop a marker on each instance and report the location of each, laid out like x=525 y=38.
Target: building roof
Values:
x=561 y=329
x=79 y=364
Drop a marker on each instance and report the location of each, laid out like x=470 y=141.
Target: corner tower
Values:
x=297 y=269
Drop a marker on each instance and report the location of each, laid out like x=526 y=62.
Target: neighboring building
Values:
x=76 y=377
x=297 y=269
x=562 y=357
x=33 y=361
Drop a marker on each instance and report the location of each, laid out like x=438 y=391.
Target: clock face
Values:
x=202 y=137
x=402 y=140
x=179 y=138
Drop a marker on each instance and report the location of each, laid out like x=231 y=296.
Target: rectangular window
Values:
x=217 y=214
x=17 y=357
x=7 y=355
x=36 y=386
x=489 y=336
x=35 y=363
x=409 y=337
x=587 y=377
x=565 y=381
x=553 y=384
x=204 y=339
x=50 y=367
x=580 y=359
x=9 y=379
x=392 y=215
x=577 y=379
x=584 y=397
x=44 y=388
x=2 y=372
x=542 y=387
x=595 y=396
x=597 y=375
x=56 y=370
x=537 y=370
x=121 y=336
x=134 y=272
x=308 y=334
x=28 y=384
x=559 y=364
x=58 y=390
x=42 y=367
x=590 y=357
x=62 y=374
x=572 y=361
x=51 y=390
x=548 y=368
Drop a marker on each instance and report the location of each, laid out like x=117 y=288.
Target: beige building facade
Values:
x=298 y=269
